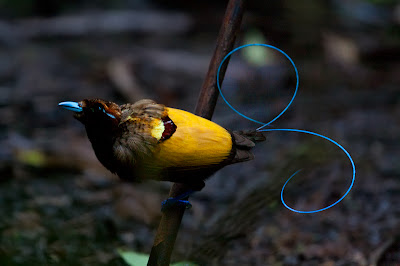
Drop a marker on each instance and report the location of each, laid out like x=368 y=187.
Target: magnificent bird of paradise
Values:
x=146 y=140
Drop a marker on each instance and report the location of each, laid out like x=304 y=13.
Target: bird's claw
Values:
x=171 y=202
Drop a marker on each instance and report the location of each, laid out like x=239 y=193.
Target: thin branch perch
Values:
x=171 y=219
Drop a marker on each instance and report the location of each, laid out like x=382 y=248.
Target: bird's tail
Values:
x=244 y=141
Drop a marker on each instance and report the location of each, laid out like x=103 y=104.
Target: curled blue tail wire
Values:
x=287 y=129
x=334 y=142
x=249 y=118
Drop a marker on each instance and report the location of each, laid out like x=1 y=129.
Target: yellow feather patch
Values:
x=197 y=142
x=157 y=128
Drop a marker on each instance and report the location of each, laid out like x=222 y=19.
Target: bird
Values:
x=146 y=140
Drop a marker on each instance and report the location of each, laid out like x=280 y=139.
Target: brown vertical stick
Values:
x=171 y=219
x=225 y=42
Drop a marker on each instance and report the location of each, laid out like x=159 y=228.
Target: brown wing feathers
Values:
x=243 y=142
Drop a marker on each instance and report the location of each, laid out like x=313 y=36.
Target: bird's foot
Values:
x=171 y=202
x=180 y=200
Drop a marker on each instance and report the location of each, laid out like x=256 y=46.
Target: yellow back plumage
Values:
x=196 y=142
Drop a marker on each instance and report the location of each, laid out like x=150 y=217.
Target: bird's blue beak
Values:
x=72 y=106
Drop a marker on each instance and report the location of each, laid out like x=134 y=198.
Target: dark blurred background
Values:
x=59 y=206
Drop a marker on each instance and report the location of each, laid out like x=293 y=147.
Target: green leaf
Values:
x=133 y=258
